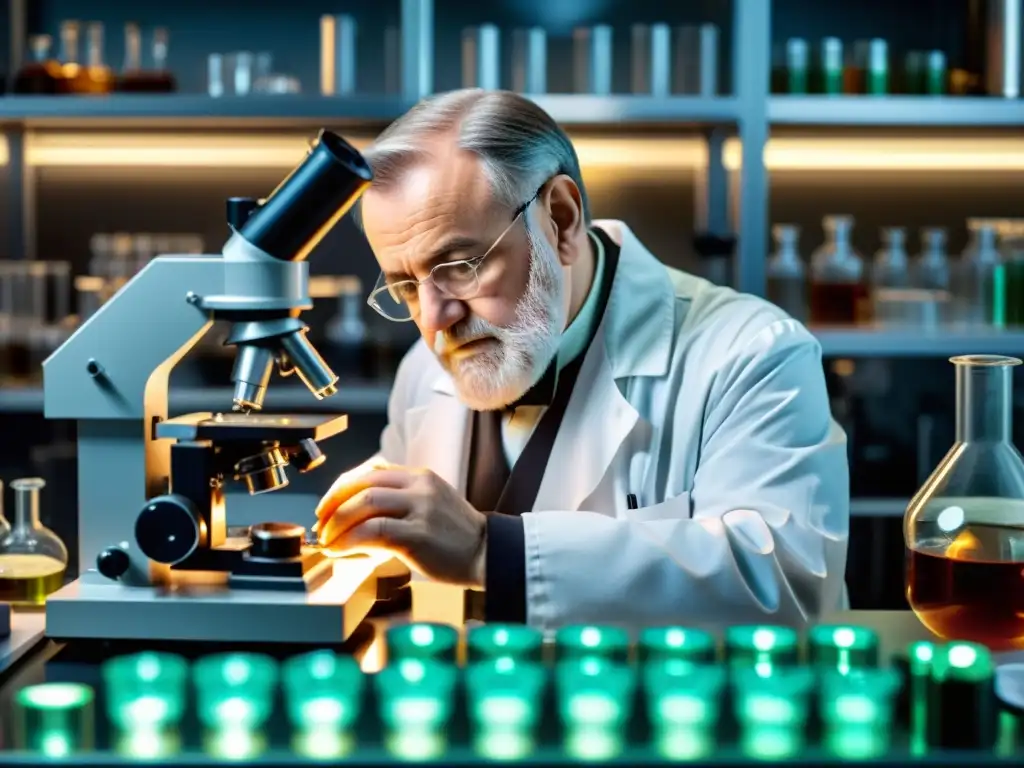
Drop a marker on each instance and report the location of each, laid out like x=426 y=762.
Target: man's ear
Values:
x=564 y=203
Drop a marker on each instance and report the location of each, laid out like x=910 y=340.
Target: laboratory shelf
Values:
x=896 y=111
x=918 y=342
x=302 y=110
x=354 y=398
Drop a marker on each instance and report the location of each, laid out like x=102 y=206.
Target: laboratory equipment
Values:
x=41 y=75
x=5 y=527
x=70 y=63
x=829 y=72
x=964 y=529
x=96 y=75
x=552 y=711
x=838 y=292
x=1010 y=289
x=651 y=59
x=152 y=509
x=592 y=59
x=1003 y=42
x=976 y=279
x=910 y=307
x=346 y=331
x=787 y=283
x=481 y=57
x=337 y=55
x=33 y=559
x=889 y=269
x=530 y=60
x=790 y=67
x=695 y=60
x=135 y=76
x=930 y=270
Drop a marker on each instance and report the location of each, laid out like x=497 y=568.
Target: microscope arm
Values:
x=117 y=365
x=112 y=377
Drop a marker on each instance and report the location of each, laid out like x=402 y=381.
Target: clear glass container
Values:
x=930 y=270
x=787 y=283
x=964 y=529
x=1010 y=279
x=838 y=293
x=975 y=277
x=890 y=267
x=33 y=559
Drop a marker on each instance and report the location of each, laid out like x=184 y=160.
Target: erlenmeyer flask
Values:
x=33 y=559
x=964 y=529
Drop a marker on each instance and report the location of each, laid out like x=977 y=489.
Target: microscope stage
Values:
x=226 y=427
x=96 y=608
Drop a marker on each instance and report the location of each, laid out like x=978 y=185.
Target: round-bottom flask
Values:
x=33 y=559
x=964 y=529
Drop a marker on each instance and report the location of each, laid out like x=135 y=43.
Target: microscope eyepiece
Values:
x=307 y=204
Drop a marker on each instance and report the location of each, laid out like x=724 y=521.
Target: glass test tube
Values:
x=530 y=60
x=592 y=59
x=651 y=59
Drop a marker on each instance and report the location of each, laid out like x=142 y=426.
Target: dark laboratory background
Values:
x=96 y=224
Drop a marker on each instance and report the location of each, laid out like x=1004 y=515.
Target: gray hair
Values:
x=518 y=143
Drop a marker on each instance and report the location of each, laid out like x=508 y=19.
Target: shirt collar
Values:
x=574 y=338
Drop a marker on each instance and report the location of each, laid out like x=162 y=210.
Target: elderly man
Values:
x=582 y=433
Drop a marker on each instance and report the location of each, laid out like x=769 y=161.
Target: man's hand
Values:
x=410 y=512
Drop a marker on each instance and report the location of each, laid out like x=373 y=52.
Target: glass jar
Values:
x=889 y=269
x=977 y=276
x=930 y=270
x=964 y=529
x=786 y=282
x=33 y=559
x=838 y=292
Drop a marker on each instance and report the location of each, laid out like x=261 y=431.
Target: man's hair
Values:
x=519 y=145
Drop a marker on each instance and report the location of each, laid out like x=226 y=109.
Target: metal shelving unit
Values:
x=749 y=114
x=896 y=111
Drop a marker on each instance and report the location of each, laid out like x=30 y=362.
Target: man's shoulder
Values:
x=730 y=323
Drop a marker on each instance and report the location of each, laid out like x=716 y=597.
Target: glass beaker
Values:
x=787 y=286
x=930 y=270
x=33 y=559
x=838 y=292
x=889 y=269
x=964 y=529
x=977 y=276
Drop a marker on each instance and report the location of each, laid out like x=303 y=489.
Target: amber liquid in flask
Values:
x=32 y=557
x=965 y=528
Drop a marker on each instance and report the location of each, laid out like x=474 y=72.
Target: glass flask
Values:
x=33 y=559
x=889 y=269
x=1010 y=289
x=41 y=75
x=964 y=529
x=786 y=281
x=930 y=270
x=976 y=277
x=838 y=292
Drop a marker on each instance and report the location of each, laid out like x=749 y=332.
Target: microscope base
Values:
x=95 y=608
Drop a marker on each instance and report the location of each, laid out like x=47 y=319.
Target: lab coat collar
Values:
x=637 y=332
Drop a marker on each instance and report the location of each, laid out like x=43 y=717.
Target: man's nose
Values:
x=437 y=311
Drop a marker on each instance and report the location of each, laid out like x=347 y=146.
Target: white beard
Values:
x=498 y=376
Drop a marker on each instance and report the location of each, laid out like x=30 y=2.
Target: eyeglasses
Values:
x=399 y=301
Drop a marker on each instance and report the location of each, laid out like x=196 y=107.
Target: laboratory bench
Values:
x=771 y=700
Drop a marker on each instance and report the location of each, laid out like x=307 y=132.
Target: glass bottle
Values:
x=347 y=330
x=70 y=65
x=162 y=79
x=41 y=75
x=33 y=559
x=838 y=292
x=787 y=287
x=96 y=76
x=964 y=529
x=889 y=269
x=931 y=269
x=1011 y=287
x=974 y=278
x=5 y=527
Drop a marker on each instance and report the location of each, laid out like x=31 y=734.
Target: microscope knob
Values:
x=168 y=529
x=113 y=563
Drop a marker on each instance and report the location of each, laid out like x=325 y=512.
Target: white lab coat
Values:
x=711 y=407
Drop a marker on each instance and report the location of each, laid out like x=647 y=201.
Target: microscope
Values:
x=152 y=516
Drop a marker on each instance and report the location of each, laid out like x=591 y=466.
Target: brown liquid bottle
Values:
x=41 y=75
x=135 y=78
x=838 y=294
x=964 y=529
x=96 y=76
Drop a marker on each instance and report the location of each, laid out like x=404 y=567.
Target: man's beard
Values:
x=497 y=376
